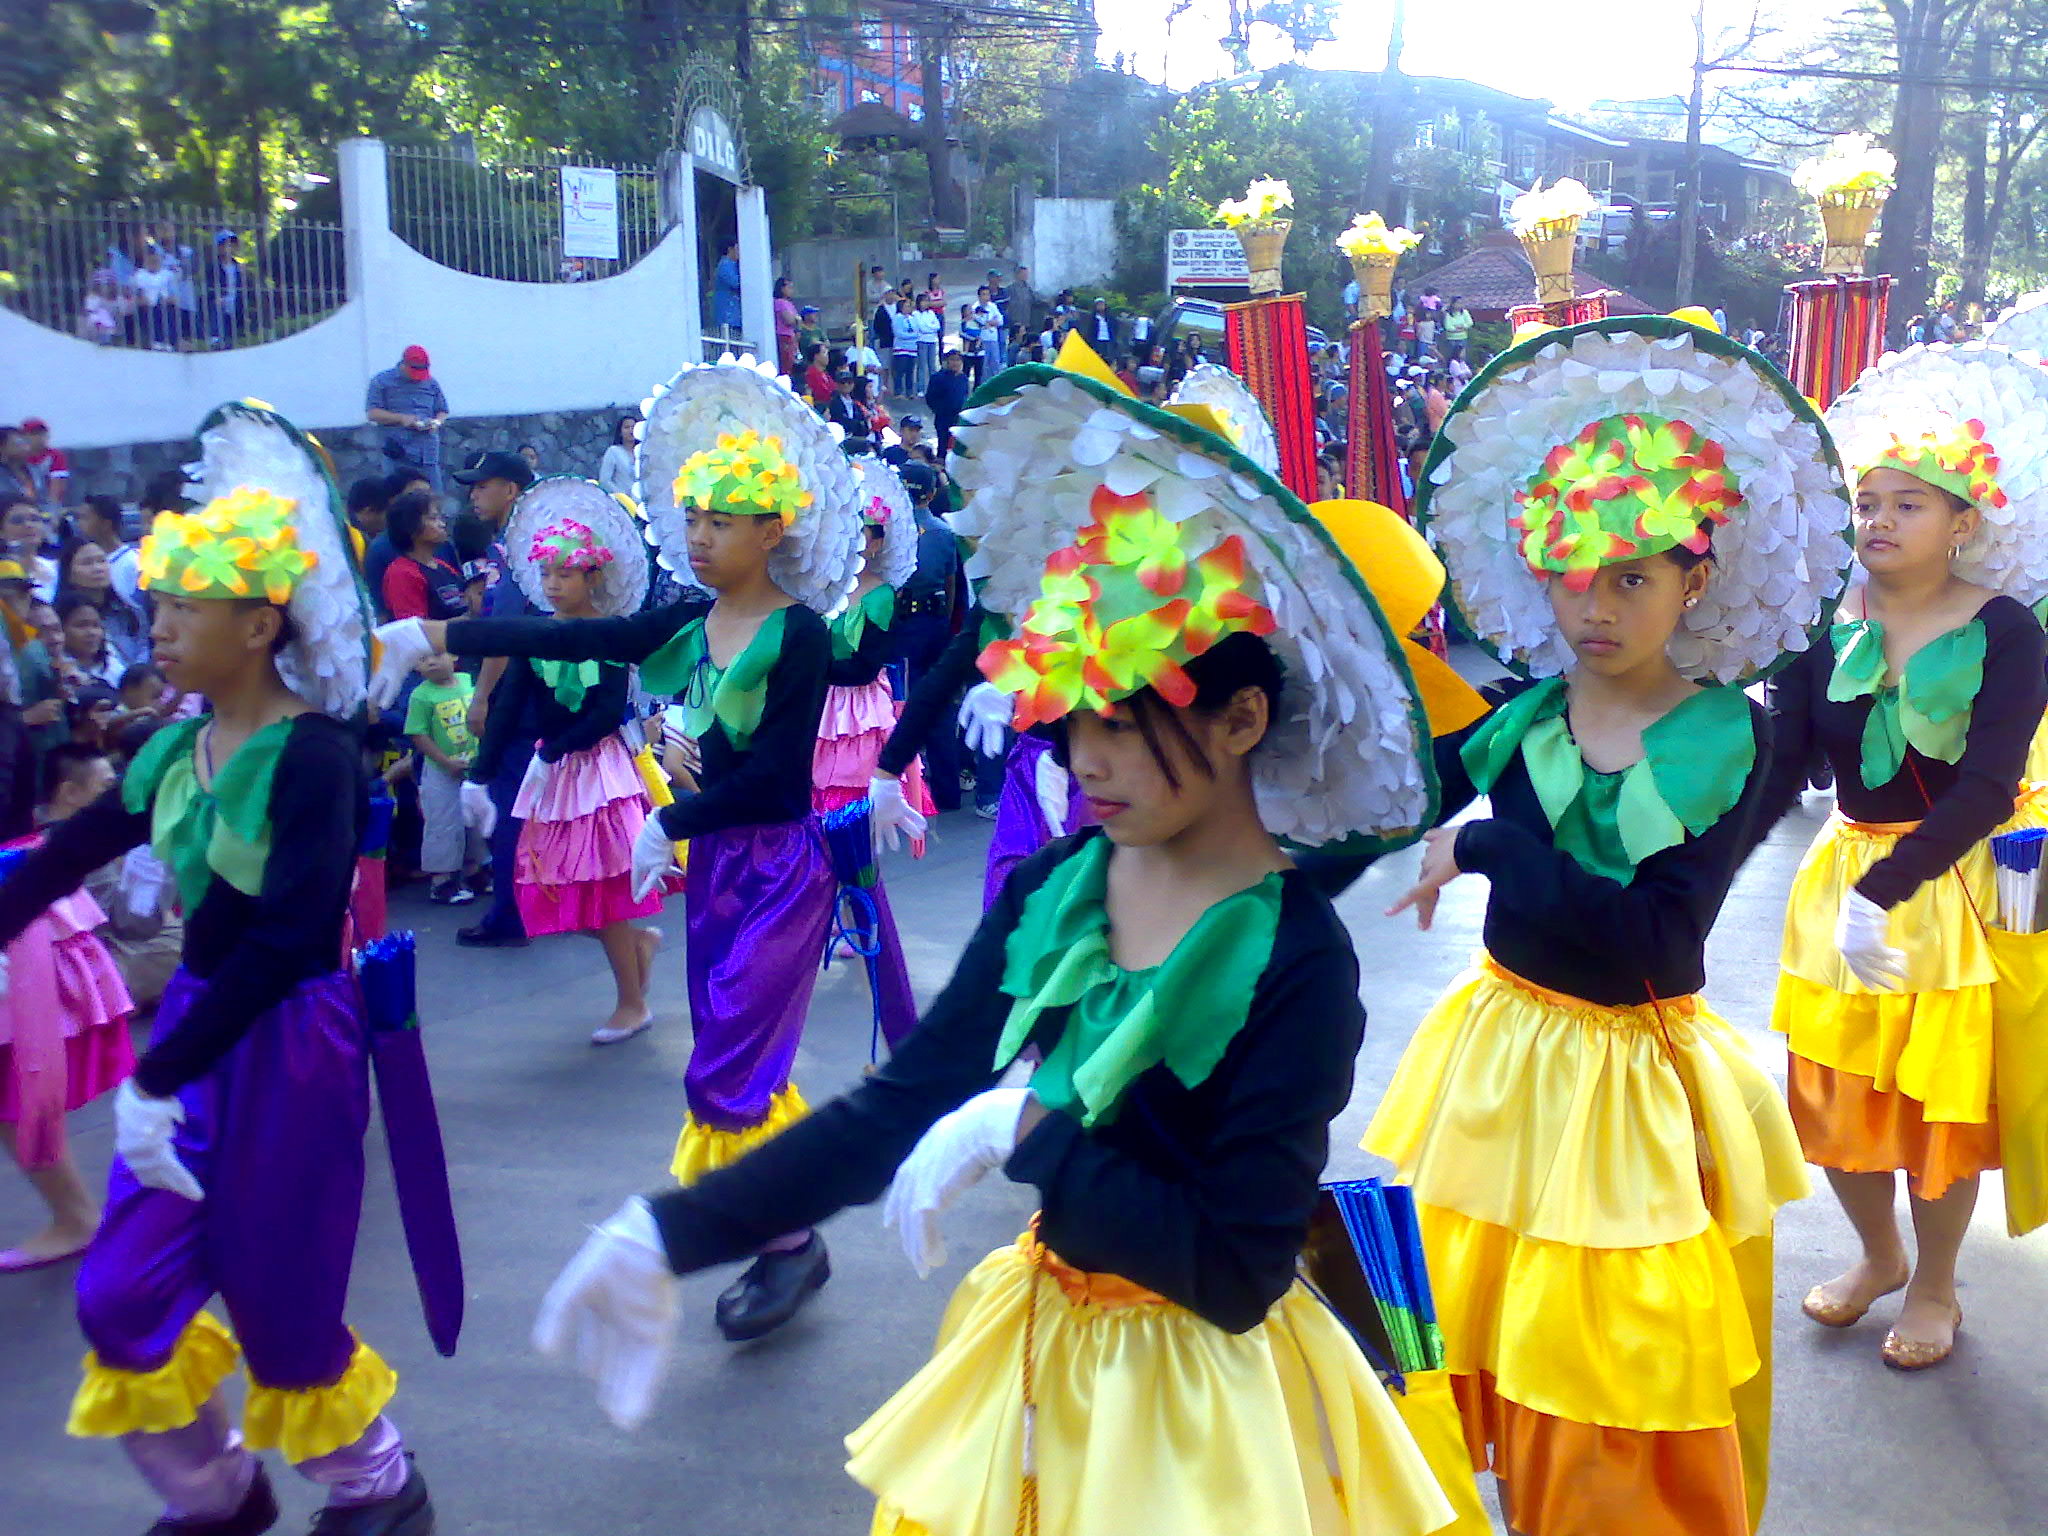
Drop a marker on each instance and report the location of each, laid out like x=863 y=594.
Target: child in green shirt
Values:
x=437 y=721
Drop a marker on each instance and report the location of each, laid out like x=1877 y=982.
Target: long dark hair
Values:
x=619 y=438
x=1234 y=663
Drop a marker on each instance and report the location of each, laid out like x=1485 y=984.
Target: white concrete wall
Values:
x=499 y=348
x=1072 y=242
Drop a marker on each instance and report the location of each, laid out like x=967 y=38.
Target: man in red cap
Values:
x=407 y=401
x=49 y=471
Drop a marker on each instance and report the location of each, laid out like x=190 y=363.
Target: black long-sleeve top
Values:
x=1202 y=1195
x=250 y=951
x=1957 y=804
x=932 y=696
x=767 y=783
x=1552 y=921
x=879 y=646
x=523 y=702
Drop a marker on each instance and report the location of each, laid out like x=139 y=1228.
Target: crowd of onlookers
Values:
x=153 y=289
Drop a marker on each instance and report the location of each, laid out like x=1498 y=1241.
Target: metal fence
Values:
x=165 y=277
x=505 y=221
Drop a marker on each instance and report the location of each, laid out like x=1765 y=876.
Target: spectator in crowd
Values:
x=183 y=265
x=164 y=491
x=1429 y=311
x=842 y=410
x=874 y=414
x=1099 y=330
x=970 y=342
x=1458 y=372
x=1351 y=296
x=947 y=396
x=1020 y=309
x=156 y=302
x=531 y=453
x=994 y=350
x=1152 y=373
x=104 y=312
x=17 y=480
x=882 y=321
x=419 y=583
x=368 y=498
x=406 y=400
x=877 y=294
x=369 y=502
x=35 y=669
x=931 y=336
x=226 y=290
x=816 y=382
x=909 y=437
x=786 y=322
x=100 y=522
x=49 y=472
x=810 y=330
x=725 y=290
x=22 y=532
x=1945 y=322
x=863 y=360
x=1721 y=320
x=934 y=292
x=615 y=471
x=904 y=327
x=452 y=852
x=83 y=570
x=95 y=667
x=1457 y=327
x=1436 y=402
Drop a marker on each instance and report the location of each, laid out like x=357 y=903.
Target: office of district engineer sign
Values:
x=1197 y=258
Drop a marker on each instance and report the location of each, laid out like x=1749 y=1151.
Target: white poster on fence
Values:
x=1205 y=258
x=590 y=212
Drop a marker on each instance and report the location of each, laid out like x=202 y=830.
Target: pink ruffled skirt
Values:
x=575 y=860
x=851 y=734
x=63 y=1025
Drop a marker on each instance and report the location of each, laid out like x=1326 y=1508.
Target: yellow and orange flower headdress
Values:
x=239 y=545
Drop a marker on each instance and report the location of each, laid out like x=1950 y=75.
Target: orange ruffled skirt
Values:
x=1606 y=1310
x=1895 y=1080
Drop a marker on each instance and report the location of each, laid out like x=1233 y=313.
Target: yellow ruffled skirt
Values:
x=1597 y=1188
x=1898 y=1079
x=1143 y=1417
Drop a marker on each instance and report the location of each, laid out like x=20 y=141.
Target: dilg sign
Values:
x=713 y=144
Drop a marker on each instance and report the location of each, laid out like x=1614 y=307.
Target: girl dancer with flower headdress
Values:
x=1924 y=703
x=239 y=1140
x=766 y=521
x=1213 y=683
x=583 y=803
x=1596 y=1157
x=861 y=708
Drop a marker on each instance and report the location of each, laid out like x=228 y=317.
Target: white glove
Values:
x=892 y=816
x=478 y=810
x=654 y=856
x=1862 y=934
x=1051 y=785
x=948 y=1160
x=142 y=1139
x=985 y=714
x=613 y=1311
x=405 y=647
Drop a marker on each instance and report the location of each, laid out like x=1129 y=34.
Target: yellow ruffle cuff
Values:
x=314 y=1421
x=701 y=1149
x=116 y=1402
x=1568 y=1122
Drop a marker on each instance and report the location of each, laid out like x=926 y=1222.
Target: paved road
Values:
x=547 y=1135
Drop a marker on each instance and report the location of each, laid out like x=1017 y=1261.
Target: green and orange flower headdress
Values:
x=1121 y=541
x=1971 y=420
x=1589 y=445
x=270 y=526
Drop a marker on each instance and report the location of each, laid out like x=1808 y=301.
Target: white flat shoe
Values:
x=606 y=1035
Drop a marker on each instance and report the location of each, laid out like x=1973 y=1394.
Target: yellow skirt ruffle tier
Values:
x=1597 y=1188
x=1144 y=1417
x=702 y=1149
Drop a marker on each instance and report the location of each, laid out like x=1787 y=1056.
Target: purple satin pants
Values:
x=758 y=909
x=1020 y=824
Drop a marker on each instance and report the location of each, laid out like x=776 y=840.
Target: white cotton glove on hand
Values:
x=985 y=713
x=891 y=815
x=654 y=857
x=613 y=1312
x=477 y=810
x=1862 y=934
x=143 y=1127
x=405 y=647
x=948 y=1160
x=1051 y=785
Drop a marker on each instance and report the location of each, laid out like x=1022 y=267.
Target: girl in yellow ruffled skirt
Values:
x=1596 y=1156
x=1144 y=1358
x=1924 y=703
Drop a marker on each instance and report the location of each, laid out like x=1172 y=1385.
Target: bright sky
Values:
x=1619 y=48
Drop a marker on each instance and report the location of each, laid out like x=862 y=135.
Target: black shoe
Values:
x=257 y=1514
x=450 y=892
x=408 y=1512
x=773 y=1290
x=485 y=937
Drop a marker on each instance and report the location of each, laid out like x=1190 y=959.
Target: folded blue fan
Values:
x=850 y=837
x=1386 y=1239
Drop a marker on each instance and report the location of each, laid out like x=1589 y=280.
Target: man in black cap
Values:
x=909 y=433
x=842 y=410
x=495 y=481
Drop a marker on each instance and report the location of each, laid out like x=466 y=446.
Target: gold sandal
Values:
x=1918 y=1354
x=1838 y=1314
